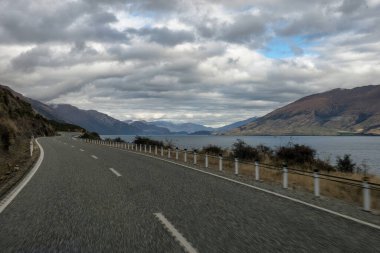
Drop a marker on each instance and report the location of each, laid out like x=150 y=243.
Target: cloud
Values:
x=163 y=35
x=204 y=58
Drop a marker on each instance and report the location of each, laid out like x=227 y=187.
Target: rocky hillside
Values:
x=18 y=120
x=339 y=111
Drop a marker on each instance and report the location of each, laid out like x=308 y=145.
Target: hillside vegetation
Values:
x=18 y=122
x=339 y=111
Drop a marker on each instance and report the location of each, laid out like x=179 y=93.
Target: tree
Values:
x=345 y=164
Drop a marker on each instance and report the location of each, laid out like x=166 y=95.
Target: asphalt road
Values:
x=75 y=203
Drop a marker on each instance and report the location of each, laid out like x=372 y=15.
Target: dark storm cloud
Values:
x=73 y=20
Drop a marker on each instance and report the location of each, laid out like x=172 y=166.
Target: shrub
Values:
x=244 y=151
x=90 y=135
x=118 y=139
x=322 y=165
x=212 y=149
x=299 y=154
x=345 y=164
x=147 y=141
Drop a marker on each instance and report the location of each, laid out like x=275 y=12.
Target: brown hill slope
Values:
x=330 y=113
x=18 y=122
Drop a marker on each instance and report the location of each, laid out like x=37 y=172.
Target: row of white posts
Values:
x=285 y=171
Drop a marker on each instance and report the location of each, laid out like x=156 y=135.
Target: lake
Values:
x=363 y=149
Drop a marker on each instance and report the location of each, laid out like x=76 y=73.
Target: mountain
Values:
x=202 y=133
x=93 y=120
x=235 y=125
x=181 y=127
x=339 y=111
x=149 y=129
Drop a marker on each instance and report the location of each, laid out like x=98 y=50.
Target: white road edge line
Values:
x=95 y=157
x=115 y=172
x=347 y=217
x=174 y=232
x=10 y=196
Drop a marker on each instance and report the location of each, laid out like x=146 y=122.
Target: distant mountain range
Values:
x=94 y=121
x=181 y=127
x=103 y=124
x=336 y=112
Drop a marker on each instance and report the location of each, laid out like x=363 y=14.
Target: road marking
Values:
x=9 y=197
x=95 y=157
x=65 y=143
x=72 y=146
x=115 y=172
x=347 y=217
x=81 y=150
x=174 y=232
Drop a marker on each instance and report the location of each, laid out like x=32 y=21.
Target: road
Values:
x=89 y=198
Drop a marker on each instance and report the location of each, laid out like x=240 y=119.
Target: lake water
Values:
x=363 y=149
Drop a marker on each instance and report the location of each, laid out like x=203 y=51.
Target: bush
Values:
x=244 y=151
x=299 y=154
x=345 y=164
x=90 y=135
x=212 y=149
x=118 y=139
x=322 y=165
x=147 y=141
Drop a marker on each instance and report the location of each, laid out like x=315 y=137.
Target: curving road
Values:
x=88 y=198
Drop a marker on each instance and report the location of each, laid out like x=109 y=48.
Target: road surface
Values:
x=89 y=198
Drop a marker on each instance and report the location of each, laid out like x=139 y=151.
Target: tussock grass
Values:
x=303 y=181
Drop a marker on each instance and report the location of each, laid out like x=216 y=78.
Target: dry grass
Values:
x=303 y=181
x=15 y=164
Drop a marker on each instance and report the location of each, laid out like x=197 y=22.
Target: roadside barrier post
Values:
x=145 y=148
x=128 y=145
x=285 y=176
x=195 y=157
x=220 y=162
x=316 y=183
x=257 y=171
x=150 y=149
x=140 y=147
x=206 y=161
x=185 y=155
x=176 y=153
x=236 y=166
x=31 y=147
x=155 y=150
x=162 y=151
x=366 y=195
x=168 y=152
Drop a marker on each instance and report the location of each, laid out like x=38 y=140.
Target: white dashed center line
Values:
x=174 y=232
x=81 y=150
x=72 y=146
x=95 y=157
x=115 y=172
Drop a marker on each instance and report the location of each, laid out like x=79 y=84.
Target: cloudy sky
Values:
x=204 y=61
